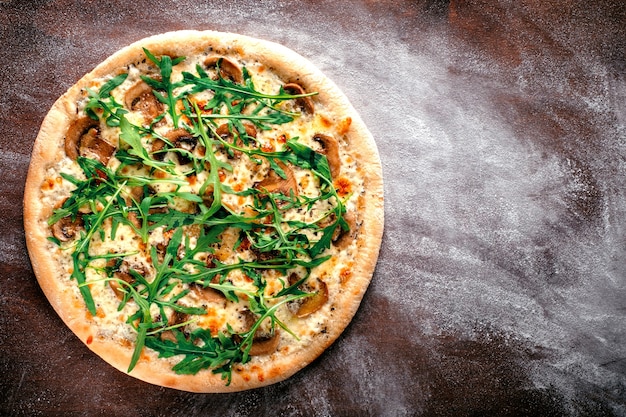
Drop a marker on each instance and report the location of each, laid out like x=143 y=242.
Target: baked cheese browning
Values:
x=201 y=208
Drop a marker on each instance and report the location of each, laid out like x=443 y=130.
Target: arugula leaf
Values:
x=103 y=102
x=165 y=65
x=130 y=135
x=281 y=244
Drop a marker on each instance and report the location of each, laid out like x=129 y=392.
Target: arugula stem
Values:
x=178 y=265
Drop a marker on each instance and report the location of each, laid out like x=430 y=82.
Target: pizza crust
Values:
x=48 y=150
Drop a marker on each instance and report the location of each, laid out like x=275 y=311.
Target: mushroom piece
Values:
x=181 y=139
x=135 y=193
x=330 y=148
x=275 y=183
x=305 y=103
x=141 y=98
x=342 y=238
x=176 y=318
x=123 y=274
x=157 y=146
x=225 y=133
x=228 y=69
x=262 y=343
x=67 y=228
x=118 y=288
x=207 y=294
x=313 y=303
x=83 y=139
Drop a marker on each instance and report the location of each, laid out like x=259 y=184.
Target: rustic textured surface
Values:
x=501 y=285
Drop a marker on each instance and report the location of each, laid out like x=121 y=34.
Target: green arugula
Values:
x=103 y=194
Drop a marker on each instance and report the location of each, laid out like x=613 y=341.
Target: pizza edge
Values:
x=48 y=149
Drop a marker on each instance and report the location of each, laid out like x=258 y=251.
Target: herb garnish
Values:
x=105 y=194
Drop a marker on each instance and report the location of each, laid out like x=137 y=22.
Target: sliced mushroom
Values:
x=78 y=128
x=118 y=288
x=67 y=228
x=342 y=238
x=264 y=345
x=275 y=183
x=330 y=148
x=83 y=138
x=225 y=133
x=123 y=274
x=157 y=146
x=207 y=294
x=135 y=193
x=228 y=69
x=305 y=103
x=313 y=303
x=176 y=318
x=182 y=139
x=141 y=98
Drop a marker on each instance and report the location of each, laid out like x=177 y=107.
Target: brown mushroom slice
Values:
x=134 y=219
x=92 y=145
x=330 y=148
x=119 y=289
x=124 y=274
x=275 y=183
x=207 y=294
x=342 y=238
x=83 y=139
x=305 y=103
x=313 y=303
x=141 y=98
x=265 y=345
x=182 y=139
x=225 y=133
x=157 y=146
x=77 y=129
x=135 y=193
x=67 y=228
x=176 y=318
x=228 y=69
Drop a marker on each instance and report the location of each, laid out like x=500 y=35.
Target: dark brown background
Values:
x=501 y=284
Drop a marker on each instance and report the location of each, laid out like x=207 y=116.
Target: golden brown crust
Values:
x=48 y=150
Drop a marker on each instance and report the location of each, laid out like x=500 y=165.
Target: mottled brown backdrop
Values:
x=501 y=284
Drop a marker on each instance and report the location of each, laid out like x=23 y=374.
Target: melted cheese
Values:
x=245 y=173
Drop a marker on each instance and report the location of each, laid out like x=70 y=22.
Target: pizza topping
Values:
x=157 y=150
x=275 y=183
x=330 y=148
x=67 y=228
x=184 y=142
x=141 y=98
x=226 y=133
x=115 y=285
x=83 y=138
x=206 y=294
x=304 y=102
x=265 y=345
x=342 y=237
x=310 y=305
x=226 y=68
x=195 y=213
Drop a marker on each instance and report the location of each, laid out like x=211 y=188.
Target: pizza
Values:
x=204 y=210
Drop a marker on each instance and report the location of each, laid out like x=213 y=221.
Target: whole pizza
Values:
x=204 y=211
